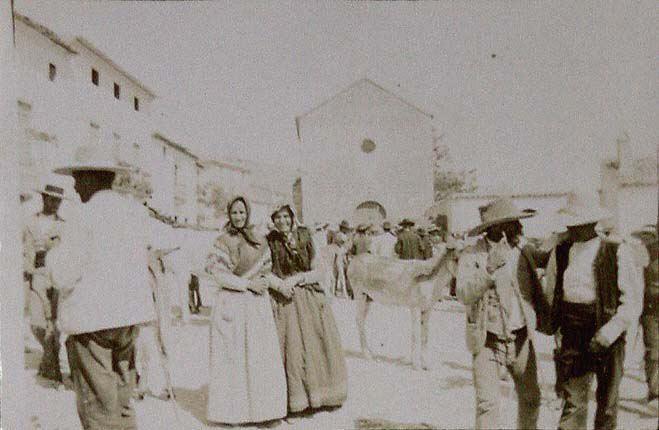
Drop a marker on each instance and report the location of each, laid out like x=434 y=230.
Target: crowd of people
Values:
x=92 y=268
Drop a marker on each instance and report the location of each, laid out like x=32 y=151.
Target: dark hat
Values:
x=345 y=225
x=498 y=212
x=406 y=222
x=363 y=227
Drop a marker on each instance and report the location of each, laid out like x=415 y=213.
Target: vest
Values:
x=605 y=271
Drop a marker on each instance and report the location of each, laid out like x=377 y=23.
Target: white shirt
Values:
x=630 y=284
x=102 y=264
x=384 y=245
x=579 y=280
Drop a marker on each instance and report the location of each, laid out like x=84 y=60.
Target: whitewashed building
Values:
x=218 y=181
x=71 y=94
x=462 y=210
x=367 y=155
x=175 y=174
x=629 y=190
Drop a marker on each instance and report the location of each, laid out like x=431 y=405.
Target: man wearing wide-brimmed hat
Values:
x=596 y=293
x=40 y=235
x=361 y=242
x=101 y=269
x=498 y=284
x=384 y=242
x=408 y=246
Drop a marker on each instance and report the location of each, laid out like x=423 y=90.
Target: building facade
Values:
x=366 y=152
x=461 y=211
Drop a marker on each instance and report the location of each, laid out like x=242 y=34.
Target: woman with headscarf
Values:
x=310 y=344
x=247 y=381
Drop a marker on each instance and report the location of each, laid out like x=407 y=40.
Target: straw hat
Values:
x=498 y=212
x=97 y=156
x=52 y=186
x=583 y=209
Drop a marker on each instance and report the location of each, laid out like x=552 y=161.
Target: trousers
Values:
x=494 y=358
x=103 y=372
x=576 y=366
x=650 y=324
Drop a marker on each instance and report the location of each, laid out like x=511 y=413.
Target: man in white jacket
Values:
x=101 y=269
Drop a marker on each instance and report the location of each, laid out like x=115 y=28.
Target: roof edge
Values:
x=174 y=145
x=85 y=43
x=45 y=31
x=354 y=84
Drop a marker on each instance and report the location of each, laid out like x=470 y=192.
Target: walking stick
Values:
x=155 y=260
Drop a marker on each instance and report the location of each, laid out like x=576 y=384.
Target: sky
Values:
x=531 y=94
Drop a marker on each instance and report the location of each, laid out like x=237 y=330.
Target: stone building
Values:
x=367 y=155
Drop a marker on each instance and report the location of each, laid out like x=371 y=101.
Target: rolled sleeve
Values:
x=630 y=284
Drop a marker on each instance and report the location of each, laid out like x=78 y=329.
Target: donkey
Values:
x=416 y=284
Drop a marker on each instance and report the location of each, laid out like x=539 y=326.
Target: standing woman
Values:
x=311 y=348
x=247 y=381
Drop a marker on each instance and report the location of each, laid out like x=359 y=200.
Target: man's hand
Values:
x=598 y=344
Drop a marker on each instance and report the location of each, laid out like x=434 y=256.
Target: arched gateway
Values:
x=370 y=212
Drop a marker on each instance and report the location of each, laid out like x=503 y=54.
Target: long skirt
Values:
x=247 y=382
x=315 y=366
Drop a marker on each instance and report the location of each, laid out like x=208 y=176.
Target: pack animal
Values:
x=415 y=284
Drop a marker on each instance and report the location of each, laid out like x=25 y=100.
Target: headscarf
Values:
x=247 y=231
x=289 y=236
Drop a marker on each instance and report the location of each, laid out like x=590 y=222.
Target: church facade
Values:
x=366 y=156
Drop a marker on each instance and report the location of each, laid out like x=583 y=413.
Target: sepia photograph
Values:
x=299 y=214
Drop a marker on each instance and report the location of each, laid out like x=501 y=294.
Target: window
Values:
x=52 y=71
x=95 y=77
x=136 y=103
x=117 y=91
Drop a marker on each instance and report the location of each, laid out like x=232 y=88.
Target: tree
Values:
x=213 y=196
x=135 y=182
x=448 y=179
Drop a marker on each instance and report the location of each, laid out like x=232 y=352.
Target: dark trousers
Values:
x=49 y=367
x=103 y=373
x=194 y=298
x=576 y=366
x=650 y=324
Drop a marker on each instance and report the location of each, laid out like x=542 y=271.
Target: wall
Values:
x=337 y=175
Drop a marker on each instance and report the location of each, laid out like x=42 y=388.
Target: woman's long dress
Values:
x=311 y=347
x=247 y=380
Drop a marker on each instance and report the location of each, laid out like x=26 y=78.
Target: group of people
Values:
x=591 y=294
x=404 y=242
x=275 y=350
x=92 y=267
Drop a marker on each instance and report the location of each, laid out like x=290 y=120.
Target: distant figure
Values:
x=361 y=243
x=384 y=243
x=41 y=234
x=426 y=244
x=194 y=297
x=408 y=246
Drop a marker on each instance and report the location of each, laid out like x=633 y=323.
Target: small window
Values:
x=95 y=77
x=52 y=71
x=117 y=91
x=136 y=103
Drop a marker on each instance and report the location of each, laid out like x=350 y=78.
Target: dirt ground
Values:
x=383 y=393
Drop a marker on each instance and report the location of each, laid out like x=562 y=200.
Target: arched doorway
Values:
x=370 y=212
